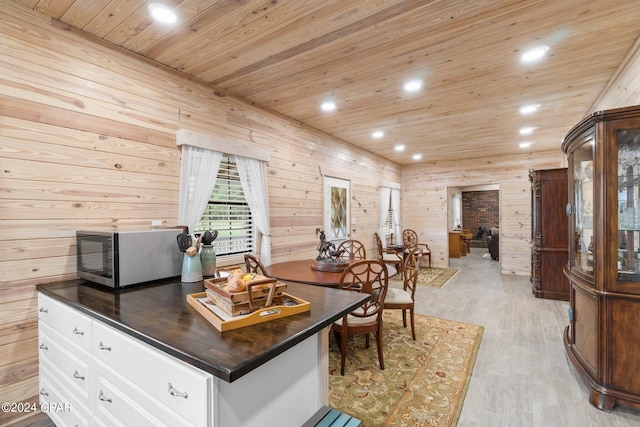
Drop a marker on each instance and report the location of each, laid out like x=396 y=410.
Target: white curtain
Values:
x=253 y=176
x=384 y=210
x=198 y=171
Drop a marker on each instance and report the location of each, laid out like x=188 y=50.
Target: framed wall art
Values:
x=336 y=208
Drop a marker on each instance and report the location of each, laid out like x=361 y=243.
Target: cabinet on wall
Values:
x=603 y=338
x=549 y=233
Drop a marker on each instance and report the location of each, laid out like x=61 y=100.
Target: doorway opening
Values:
x=473 y=220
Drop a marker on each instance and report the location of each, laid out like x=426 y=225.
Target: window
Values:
x=389 y=224
x=229 y=213
x=389 y=228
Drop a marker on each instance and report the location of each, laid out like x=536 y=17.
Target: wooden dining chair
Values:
x=388 y=256
x=368 y=276
x=411 y=244
x=254 y=265
x=404 y=299
x=351 y=250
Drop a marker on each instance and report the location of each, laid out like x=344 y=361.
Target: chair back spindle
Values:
x=411 y=244
x=352 y=250
x=253 y=265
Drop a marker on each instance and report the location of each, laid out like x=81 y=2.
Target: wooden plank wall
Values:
x=89 y=140
x=623 y=89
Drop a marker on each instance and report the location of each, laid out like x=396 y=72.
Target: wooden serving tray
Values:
x=225 y=322
x=240 y=308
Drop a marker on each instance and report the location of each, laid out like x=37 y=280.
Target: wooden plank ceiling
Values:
x=289 y=55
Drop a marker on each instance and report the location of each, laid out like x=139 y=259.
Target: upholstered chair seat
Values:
x=398 y=296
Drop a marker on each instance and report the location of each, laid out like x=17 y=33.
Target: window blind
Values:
x=229 y=213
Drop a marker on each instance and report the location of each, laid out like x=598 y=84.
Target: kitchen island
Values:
x=173 y=365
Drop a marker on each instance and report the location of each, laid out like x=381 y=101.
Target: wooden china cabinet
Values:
x=549 y=233
x=603 y=336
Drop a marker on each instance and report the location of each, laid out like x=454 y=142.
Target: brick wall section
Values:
x=480 y=208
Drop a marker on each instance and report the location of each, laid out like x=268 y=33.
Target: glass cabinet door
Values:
x=628 y=205
x=583 y=192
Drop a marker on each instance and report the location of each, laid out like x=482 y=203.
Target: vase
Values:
x=191 y=269
x=208 y=260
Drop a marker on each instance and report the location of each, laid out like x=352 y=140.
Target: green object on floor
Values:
x=328 y=417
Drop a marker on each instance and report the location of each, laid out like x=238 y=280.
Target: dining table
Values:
x=300 y=271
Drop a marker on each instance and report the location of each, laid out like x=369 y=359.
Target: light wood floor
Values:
x=522 y=376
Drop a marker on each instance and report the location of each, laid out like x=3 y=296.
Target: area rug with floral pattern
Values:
x=434 y=277
x=424 y=381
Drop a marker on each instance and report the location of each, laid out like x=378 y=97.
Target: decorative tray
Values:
x=224 y=321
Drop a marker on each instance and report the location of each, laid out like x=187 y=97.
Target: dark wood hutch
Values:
x=549 y=233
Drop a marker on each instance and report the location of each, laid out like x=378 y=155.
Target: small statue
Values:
x=336 y=254
x=325 y=249
x=328 y=258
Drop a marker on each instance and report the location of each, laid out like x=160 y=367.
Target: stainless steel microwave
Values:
x=122 y=258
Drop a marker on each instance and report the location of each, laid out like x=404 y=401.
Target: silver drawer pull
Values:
x=103 y=347
x=76 y=375
x=43 y=347
x=43 y=310
x=174 y=392
x=44 y=393
x=103 y=397
x=77 y=332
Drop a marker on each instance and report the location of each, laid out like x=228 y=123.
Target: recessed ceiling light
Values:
x=525 y=144
x=163 y=13
x=527 y=131
x=377 y=134
x=399 y=147
x=328 y=106
x=529 y=109
x=534 y=54
x=413 y=85
x=416 y=156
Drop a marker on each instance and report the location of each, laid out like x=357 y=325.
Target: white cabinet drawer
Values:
x=58 y=402
x=175 y=384
x=117 y=401
x=73 y=365
x=70 y=323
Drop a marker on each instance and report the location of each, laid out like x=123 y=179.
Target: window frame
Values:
x=390 y=226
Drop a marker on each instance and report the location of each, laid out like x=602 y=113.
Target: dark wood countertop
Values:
x=158 y=314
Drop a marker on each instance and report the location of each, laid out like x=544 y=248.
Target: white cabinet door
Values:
x=118 y=401
x=64 y=341
x=70 y=323
x=181 y=388
x=58 y=402
x=71 y=363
